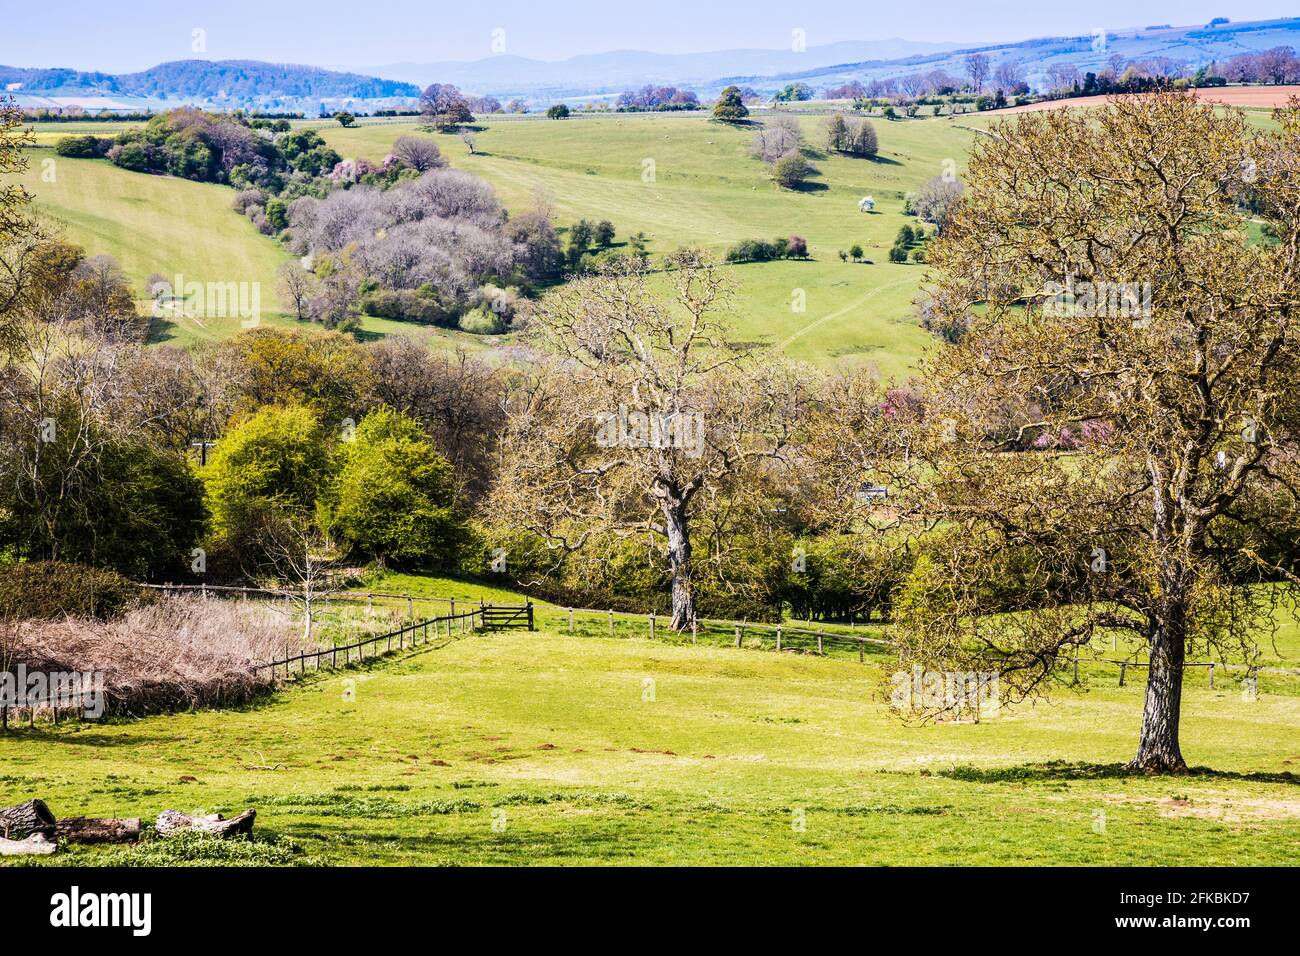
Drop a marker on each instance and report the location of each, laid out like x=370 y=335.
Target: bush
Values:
x=408 y=305
x=52 y=590
x=482 y=321
x=761 y=250
x=176 y=653
x=898 y=254
x=83 y=147
x=791 y=170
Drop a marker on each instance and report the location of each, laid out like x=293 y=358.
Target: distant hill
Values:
x=249 y=83
x=207 y=80
x=620 y=69
x=1196 y=45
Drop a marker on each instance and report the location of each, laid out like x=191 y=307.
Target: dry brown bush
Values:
x=179 y=653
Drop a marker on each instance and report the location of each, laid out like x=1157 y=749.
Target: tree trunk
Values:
x=679 y=560
x=25 y=819
x=92 y=830
x=35 y=845
x=173 y=821
x=1158 y=750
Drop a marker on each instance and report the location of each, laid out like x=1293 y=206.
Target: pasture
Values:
x=681 y=180
x=551 y=748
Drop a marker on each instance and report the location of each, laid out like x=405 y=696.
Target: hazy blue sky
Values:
x=134 y=34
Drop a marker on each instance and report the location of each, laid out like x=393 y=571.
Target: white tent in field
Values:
x=866 y=204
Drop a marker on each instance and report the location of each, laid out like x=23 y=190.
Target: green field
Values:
x=158 y=224
x=546 y=748
x=705 y=190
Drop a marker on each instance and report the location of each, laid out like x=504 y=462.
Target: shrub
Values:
x=408 y=305
x=50 y=590
x=83 y=147
x=482 y=321
x=898 y=254
x=176 y=653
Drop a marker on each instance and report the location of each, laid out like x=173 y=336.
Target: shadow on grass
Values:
x=1056 y=770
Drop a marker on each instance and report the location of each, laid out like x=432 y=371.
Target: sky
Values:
x=132 y=35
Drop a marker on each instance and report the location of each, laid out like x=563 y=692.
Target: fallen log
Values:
x=17 y=823
x=173 y=821
x=38 y=844
x=98 y=830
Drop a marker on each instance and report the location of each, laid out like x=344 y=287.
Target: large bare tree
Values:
x=1111 y=449
x=639 y=410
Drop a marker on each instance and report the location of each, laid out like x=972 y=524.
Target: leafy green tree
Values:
x=557 y=112
x=855 y=252
x=345 y=118
x=730 y=107
x=277 y=460
x=105 y=501
x=793 y=92
x=581 y=234
x=325 y=371
x=393 y=496
x=792 y=170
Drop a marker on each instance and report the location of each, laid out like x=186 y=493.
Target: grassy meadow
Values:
x=685 y=180
x=679 y=179
x=546 y=748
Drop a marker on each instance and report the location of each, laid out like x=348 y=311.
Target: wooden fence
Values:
x=412 y=635
x=783 y=636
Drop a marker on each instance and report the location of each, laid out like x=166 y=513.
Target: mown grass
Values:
x=545 y=748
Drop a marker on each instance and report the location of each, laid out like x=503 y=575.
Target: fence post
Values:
x=737 y=635
x=693 y=630
x=410 y=609
x=611 y=622
x=453 y=614
x=1076 y=669
x=819 y=643
x=530 y=617
x=861 y=652
x=1211 y=677
x=370 y=604
x=778 y=637
x=1122 y=667
x=652 y=625
x=570 y=620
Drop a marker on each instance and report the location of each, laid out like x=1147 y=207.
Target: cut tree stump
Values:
x=98 y=830
x=38 y=844
x=173 y=821
x=17 y=823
